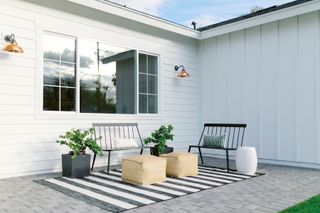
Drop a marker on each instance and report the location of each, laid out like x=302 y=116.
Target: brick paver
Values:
x=280 y=188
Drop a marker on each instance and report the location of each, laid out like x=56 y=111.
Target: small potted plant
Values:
x=159 y=138
x=77 y=163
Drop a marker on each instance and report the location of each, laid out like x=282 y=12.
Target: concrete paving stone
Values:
x=258 y=211
x=280 y=188
x=263 y=209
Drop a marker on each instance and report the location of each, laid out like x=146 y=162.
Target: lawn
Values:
x=309 y=206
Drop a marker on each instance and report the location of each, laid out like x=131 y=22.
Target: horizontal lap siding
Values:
x=268 y=77
x=27 y=137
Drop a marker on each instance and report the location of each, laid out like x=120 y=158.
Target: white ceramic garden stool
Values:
x=246 y=160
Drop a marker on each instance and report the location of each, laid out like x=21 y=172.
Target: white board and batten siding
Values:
x=28 y=135
x=268 y=76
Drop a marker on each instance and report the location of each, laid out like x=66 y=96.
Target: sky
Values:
x=204 y=12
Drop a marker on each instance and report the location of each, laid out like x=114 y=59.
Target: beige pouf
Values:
x=143 y=169
x=180 y=164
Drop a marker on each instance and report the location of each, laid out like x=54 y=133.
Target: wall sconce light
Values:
x=12 y=45
x=183 y=73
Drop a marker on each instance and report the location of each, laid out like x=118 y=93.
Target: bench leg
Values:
x=141 y=151
x=200 y=153
x=108 y=168
x=189 y=149
x=227 y=155
x=94 y=159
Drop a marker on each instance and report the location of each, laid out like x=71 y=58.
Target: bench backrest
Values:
x=105 y=133
x=234 y=133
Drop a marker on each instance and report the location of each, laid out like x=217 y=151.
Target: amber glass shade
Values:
x=183 y=74
x=13 y=47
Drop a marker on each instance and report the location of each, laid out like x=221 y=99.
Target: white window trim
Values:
x=42 y=114
x=158 y=83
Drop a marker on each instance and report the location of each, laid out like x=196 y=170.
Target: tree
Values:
x=255 y=9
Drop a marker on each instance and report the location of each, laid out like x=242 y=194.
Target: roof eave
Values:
x=131 y=14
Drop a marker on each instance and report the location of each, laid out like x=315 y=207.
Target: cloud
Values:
x=152 y=7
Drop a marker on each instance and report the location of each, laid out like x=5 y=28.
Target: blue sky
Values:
x=204 y=12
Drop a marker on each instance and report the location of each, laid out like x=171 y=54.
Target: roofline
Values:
x=148 y=14
x=274 y=14
x=254 y=14
x=264 y=16
x=132 y=14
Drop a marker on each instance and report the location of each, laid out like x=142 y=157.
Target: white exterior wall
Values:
x=268 y=76
x=28 y=135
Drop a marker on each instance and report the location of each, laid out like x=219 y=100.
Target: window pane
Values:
x=68 y=99
x=49 y=49
x=68 y=71
x=68 y=53
x=51 y=98
x=106 y=78
x=59 y=68
x=58 y=48
x=88 y=57
x=152 y=84
x=143 y=104
x=94 y=100
x=142 y=63
x=152 y=65
x=51 y=72
x=152 y=104
x=143 y=83
x=148 y=84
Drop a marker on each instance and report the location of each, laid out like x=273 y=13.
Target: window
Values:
x=59 y=68
x=106 y=78
x=148 y=84
x=105 y=74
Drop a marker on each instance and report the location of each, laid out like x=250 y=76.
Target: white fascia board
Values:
x=262 y=19
x=131 y=14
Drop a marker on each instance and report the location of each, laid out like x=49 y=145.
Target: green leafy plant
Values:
x=160 y=137
x=78 y=141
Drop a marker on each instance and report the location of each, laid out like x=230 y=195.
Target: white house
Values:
x=263 y=70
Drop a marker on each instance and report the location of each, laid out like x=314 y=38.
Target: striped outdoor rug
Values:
x=110 y=193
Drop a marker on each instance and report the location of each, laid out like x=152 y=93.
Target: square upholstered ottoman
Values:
x=144 y=169
x=180 y=164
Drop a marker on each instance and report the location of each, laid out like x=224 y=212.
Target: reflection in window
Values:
x=106 y=78
x=148 y=84
x=59 y=68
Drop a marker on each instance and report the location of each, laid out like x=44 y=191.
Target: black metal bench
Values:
x=234 y=135
x=105 y=133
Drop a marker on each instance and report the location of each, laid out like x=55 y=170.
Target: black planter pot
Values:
x=75 y=168
x=154 y=150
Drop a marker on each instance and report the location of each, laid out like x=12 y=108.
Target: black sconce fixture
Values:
x=12 y=45
x=183 y=73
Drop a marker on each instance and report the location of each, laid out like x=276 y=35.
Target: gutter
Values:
x=131 y=14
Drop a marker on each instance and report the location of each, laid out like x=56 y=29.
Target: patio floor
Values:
x=281 y=187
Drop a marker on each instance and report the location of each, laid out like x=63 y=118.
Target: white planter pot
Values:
x=246 y=160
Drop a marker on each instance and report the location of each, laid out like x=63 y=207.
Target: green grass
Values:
x=311 y=205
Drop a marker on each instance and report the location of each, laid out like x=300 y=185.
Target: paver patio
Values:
x=281 y=187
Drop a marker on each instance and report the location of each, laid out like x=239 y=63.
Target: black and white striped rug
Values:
x=110 y=193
